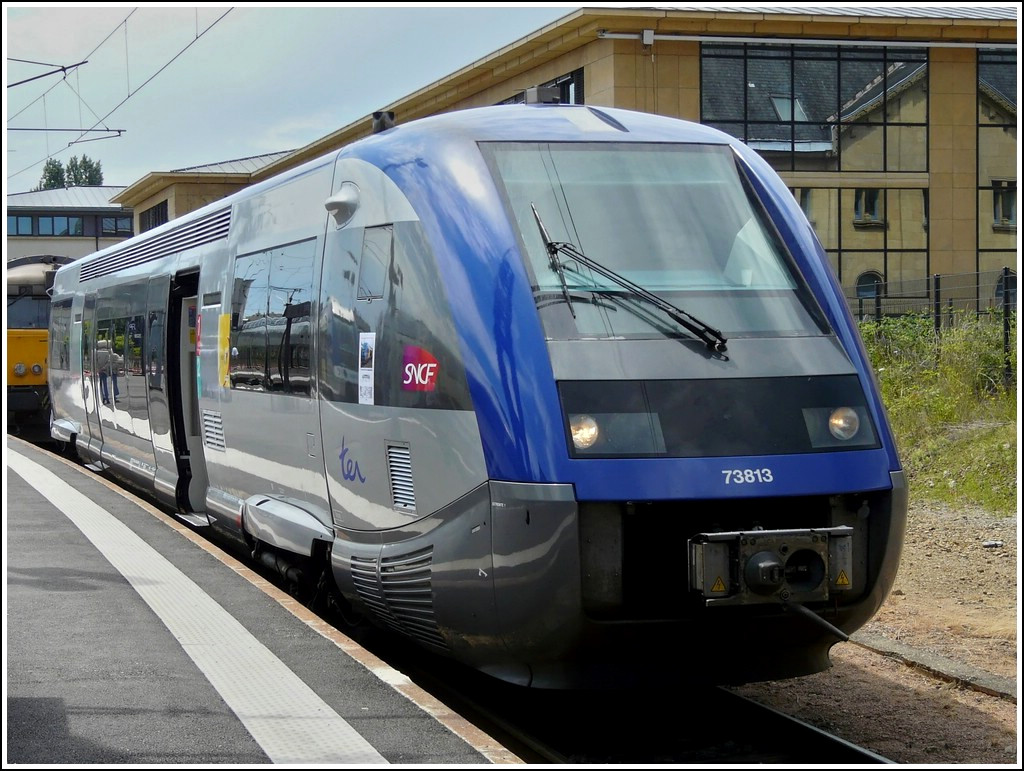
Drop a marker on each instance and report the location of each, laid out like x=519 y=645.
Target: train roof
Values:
x=31 y=271
x=553 y=122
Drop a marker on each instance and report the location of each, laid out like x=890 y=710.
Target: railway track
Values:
x=702 y=725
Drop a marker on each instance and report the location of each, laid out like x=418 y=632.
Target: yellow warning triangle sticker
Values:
x=719 y=585
x=841 y=579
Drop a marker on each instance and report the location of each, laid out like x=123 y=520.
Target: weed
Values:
x=952 y=408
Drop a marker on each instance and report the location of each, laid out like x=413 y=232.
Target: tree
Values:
x=53 y=175
x=84 y=172
x=80 y=172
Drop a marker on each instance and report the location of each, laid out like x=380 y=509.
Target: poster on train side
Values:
x=367 y=343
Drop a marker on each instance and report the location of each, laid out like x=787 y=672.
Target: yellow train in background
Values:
x=28 y=316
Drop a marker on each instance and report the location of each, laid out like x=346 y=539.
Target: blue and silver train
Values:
x=568 y=394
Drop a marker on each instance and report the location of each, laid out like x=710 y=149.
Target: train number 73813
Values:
x=747 y=476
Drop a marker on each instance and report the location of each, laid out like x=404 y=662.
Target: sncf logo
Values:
x=419 y=370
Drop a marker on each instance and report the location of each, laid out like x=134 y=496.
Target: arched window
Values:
x=1011 y=290
x=869 y=284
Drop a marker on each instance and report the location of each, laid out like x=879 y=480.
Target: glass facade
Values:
x=853 y=111
x=997 y=161
x=872 y=235
x=836 y=109
x=820 y=108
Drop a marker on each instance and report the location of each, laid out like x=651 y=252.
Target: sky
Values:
x=191 y=85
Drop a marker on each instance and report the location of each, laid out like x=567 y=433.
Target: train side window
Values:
x=119 y=346
x=87 y=347
x=154 y=338
x=270 y=326
x=289 y=302
x=106 y=363
x=373 y=267
x=249 y=304
x=134 y=367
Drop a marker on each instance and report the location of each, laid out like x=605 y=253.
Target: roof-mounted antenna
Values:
x=383 y=120
x=542 y=95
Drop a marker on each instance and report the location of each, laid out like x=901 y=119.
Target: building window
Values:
x=570 y=89
x=805 y=202
x=61 y=226
x=803 y=197
x=869 y=285
x=116 y=226
x=19 y=226
x=153 y=217
x=1004 y=204
x=867 y=209
x=788 y=108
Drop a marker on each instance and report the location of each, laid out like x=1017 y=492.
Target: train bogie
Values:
x=567 y=394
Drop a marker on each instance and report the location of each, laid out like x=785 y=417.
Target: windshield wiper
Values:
x=553 y=261
x=711 y=337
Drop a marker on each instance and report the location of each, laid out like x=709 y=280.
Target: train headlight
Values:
x=843 y=423
x=37 y=369
x=836 y=428
x=585 y=431
x=19 y=369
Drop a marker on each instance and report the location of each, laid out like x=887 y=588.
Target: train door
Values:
x=91 y=442
x=156 y=336
x=183 y=394
x=108 y=367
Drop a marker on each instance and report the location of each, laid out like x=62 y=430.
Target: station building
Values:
x=895 y=127
x=67 y=222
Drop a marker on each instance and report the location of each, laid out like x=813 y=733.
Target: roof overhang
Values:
x=71 y=210
x=155 y=182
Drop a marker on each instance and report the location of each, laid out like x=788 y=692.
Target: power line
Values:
x=45 y=74
x=80 y=130
x=87 y=56
x=130 y=94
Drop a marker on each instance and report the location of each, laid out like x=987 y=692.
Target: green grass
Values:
x=953 y=414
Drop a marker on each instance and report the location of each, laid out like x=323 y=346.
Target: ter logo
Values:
x=419 y=370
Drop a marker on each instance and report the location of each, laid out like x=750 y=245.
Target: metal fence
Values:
x=940 y=296
x=990 y=293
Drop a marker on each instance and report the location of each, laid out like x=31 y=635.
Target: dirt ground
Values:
x=955 y=596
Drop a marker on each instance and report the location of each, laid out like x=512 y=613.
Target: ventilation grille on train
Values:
x=213 y=430
x=202 y=231
x=403 y=496
x=397 y=590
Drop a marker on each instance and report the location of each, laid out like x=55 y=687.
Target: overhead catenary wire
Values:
x=87 y=57
x=130 y=94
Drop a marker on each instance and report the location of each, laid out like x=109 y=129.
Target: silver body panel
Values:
x=442 y=447
x=328 y=460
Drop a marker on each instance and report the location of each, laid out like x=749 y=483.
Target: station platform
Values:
x=131 y=640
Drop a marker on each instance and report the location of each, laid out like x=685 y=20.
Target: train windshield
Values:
x=27 y=311
x=677 y=220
